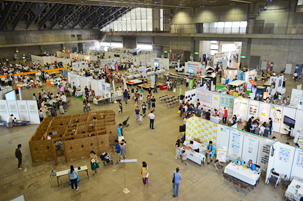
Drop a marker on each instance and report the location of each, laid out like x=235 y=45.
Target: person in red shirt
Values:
x=217 y=113
x=225 y=115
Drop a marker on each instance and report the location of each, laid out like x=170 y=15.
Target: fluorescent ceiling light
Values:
x=241 y=1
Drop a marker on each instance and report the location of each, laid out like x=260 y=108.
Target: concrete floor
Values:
x=156 y=147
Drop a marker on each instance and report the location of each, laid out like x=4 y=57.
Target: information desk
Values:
x=295 y=189
x=215 y=119
x=134 y=82
x=148 y=85
x=243 y=174
x=202 y=148
x=194 y=156
x=65 y=172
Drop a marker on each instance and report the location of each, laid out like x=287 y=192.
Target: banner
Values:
x=124 y=83
x=190 y=84
x=204 y=96
x=106 y=68
x=152 y=80
x=199 y=71
x=221 y=155
x=114 y=86
x=116 y=67
x=239 y=75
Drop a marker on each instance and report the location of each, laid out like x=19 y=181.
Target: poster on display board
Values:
x=227 y=101
x=284 y=154
x=215 y=102
x=3 y=110
x=264 y=111
x=201 y=129
x=299 y=159
x=204 y=96
x=242 y=109
x=235 y=148
x=33 y=112
x=221 y=155
x=13 y=109
x=276 y=116
x=23 y=111
x=296 y=97
x=253 y=108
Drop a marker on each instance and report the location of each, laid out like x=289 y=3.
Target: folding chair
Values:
x=237 y=183
x=226 y=177
x=218 y=166
x=245 y=185
x=274 y=178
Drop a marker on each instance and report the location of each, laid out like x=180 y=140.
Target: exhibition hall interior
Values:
x=151 y=100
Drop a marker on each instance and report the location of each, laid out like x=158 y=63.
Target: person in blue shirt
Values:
x=118 y=151
x=251 y=166
x=239 y=161
x=210 y=151
x=176 y=178
x=120 y=130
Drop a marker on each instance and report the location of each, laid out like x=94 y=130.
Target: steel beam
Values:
x=37 y=12
x=78 y=12
x=112 y=16
x=53 y=11
x=96 y=20
x=7 y=12
x=61 y=17
x=86 y=16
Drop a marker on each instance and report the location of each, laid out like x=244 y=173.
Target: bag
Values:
x=174 y=90
x=173 y=181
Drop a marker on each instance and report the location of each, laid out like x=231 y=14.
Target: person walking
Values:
x=182 y=78
x=144 y=173
x=143 y=107
x=94 y=162
x=148 y=102
x=18 y=155
x=151 y=117
x=176 y=181
x=125 y=95
x=118 y=151
x=153 y=102
x=225 y=115
x=73 y=176
x=137 y=113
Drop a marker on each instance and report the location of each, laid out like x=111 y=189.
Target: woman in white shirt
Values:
x=73 y=176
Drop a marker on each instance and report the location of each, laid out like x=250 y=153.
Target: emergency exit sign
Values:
x=196 y=52
x=243 y=57
x=165 y=51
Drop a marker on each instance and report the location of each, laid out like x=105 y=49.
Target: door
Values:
x=254 y=62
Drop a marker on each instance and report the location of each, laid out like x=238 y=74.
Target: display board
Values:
x=276 y=112
x=235 y=144
x=201 y=129
x=191 y=96
x=227 y=101
x=253 y=109
x=296 y=95
x=264 y=111
x=297 y=165
x=290 y=112
x=299 y=120
x=242 y=108
x=204 y=97
x=94 y=86
x=33 y=112
x=263 y=154
x=83 y=83
x=23 y=110
x=283 y=157
x=215 y=100
x=223 y=135
x=4 y=113
x=250 y=147
x=13 y=109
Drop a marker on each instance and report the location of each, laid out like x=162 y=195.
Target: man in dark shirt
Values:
x=270 y=126
x=249 y=123
x=125 y=95
x=207 y=115
x=18 y=155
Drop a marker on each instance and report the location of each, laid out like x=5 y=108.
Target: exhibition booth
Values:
x=194 y=68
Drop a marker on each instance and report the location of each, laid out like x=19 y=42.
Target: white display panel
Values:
x=3 y=110
x=13 y=109
x=299 y=120
x=297 y=165
x=215 y=100
x=250 y=147
x=83 y=83
x=290 y=112
x=223 y=135
x=10 y=96
x=264 y=111
x=33 y=112
x=100 y=87
x=94 y=85
x=242 y=108
x=253 y=109
x=263 y=155
x=295 y=97
x=276 y=112
x=23 y=110
x=204 y=97
x=235 y=144
x=284 y=155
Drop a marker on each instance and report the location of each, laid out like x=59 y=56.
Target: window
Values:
x=225 y=27
x=144 y=46
x=161 y=19
x=214 y=47
x=300 y=2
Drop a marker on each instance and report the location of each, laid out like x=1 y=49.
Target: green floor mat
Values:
x=219 y=87
x=80 y=98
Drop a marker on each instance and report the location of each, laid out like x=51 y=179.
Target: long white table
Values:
x=65 y=172
x=293 y=192
x=215 y=119
x=195 y=156
x=202 y=148
x=243 y=174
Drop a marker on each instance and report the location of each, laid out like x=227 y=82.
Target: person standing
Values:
x=178 y=150
x=133 y=91
x=151 y=117
x=144 y=173
x=9 y=122
x=176 y=182
x=94 y=162
x=270 y=126
x=137 y=113
x=34 y=96
x=18 y=155
x=148 y=102
x=187 y=82
x=74 y=89
x=73 y=176
x=118 y=151
x=225 y=115
x=143 y=107
x=182 y=79
x=41 y=115
x=125 y=95
x=153 y=102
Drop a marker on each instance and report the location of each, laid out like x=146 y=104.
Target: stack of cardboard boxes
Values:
x=76 y=135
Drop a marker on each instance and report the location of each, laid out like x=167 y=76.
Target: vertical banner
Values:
x=144 y=72
x=299 y=69
x=106 y=68
x=268 y=68
x=178 y=65
x=116 y=67
x=64 y=72
x=124 y=83
x=243 y=76
x=114 y=86
x=239 y=75
x=190 y=84
x=152 y=78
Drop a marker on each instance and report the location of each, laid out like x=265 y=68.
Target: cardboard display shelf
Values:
x=75 y=135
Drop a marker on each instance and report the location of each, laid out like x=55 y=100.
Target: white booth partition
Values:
x=4 y=113
x=250 y=147
x=264 y=111
x=13 y=109
x=276 y=116
x=253 y=109
x=100 y=88
x=23 y=110
x=297 y=165
x=296 y=95
x=215 y=100
x=33 y=112
x=291 y=113
x=205 y=97
x=94 y=86
x=83 y=83
x=242 y=108
x=223 y=136
x=299 y=120
x=235 y=144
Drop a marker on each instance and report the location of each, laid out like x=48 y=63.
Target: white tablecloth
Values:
x=215 y=119
x=78 y=93
x=246 y=175
x=291 y=190
x=202 y=148
x=194 y=156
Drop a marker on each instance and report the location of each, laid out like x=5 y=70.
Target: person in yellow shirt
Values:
x=144 y=173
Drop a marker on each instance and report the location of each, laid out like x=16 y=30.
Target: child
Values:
x=120 y=108
x=262 y=128
x=184 y=157
x=123 y=149
x=141 y=90
x=140 y=119
x=136 y=104
x=88 y=106
x=141 y=98
x=144 y=109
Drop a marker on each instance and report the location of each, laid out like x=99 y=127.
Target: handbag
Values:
x=173 y=179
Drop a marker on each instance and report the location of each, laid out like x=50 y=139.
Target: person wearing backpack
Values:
x=176 y=181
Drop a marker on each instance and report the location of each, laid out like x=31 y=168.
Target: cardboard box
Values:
x=37 y=146
x=102 y=139
x=38 y=157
